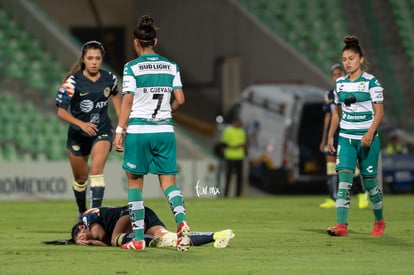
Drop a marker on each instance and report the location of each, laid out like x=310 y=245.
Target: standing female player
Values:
x=337 y=71
x=86 y=90
x=150 y=146
x=359 y=111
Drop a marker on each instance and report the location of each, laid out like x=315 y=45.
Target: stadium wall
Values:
x=53 y=181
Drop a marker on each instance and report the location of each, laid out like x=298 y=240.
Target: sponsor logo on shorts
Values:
x=131 y=165
x=103 y=136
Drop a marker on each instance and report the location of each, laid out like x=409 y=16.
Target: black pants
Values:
x=236 y=167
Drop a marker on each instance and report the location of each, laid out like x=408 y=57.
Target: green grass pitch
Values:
x=274 y=235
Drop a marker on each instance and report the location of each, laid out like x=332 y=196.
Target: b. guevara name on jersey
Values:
x=151 y=78
x=88 y=100
x=356 y=99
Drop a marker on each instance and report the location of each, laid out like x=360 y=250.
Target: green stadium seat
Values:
x=14 y=71
x=12 y=29
x=42 y=156
x=403 y=12
x=10 y=153
x=4 y=18
x=37 y=80
x=57 y=152
x=54 y=88
x=306 y=25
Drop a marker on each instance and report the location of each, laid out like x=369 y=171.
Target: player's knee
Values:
x=81 y=179
x=118 y=240
x=346 y=176
x=370 y=183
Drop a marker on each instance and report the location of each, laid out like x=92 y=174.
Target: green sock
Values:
x=375 y=196
x=136 y=212
x=343 y=200
x=176 y=201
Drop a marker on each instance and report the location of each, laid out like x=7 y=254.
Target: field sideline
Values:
x=274 y=235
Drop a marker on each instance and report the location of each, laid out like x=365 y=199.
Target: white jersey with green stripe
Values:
x=151 y=78
x=356 y=99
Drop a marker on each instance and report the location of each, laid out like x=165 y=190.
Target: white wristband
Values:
x=119 y=130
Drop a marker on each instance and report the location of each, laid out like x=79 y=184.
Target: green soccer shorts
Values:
x=153 y=153
x=350 y=151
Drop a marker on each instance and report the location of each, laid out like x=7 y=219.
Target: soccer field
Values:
x=274 y=235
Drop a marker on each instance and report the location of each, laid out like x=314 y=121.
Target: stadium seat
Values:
x=314 y=27
x=28 y=70
x=403 y=12
x=9 y=152
x=4 y=18
x=13 y=70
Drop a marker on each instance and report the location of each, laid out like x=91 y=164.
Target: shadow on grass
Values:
x=355 y=235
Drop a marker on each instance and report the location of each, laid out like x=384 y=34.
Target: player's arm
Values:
x=122 y=227
x=178 y=100
x=126 y=106
x=369 y=135
x=63 y=99
x=335 y=119
x=116 y=100
x=324 y=131
x=95 y=237
x=89 y=128
x=91 y=242
x=377 y=97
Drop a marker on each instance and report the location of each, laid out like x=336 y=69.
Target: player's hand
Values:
x=83 y=242
x=331 y=147
x=119 y=142
x=366 y=140
x=89 y=128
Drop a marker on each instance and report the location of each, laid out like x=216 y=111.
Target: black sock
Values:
x=97 y=194
x=80 y=200
x=200 y=238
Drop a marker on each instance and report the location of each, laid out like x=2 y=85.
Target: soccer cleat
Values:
x=222 y=238
x=329 y=203
x=167 y=240
x=363 y=200
x=183 y=237
x=378 y=229
x=338 y=230
x=136 y=245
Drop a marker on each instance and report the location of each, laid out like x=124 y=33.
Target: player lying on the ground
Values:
x=111 y=226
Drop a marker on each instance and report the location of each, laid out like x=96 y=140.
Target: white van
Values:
x=284 y=126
